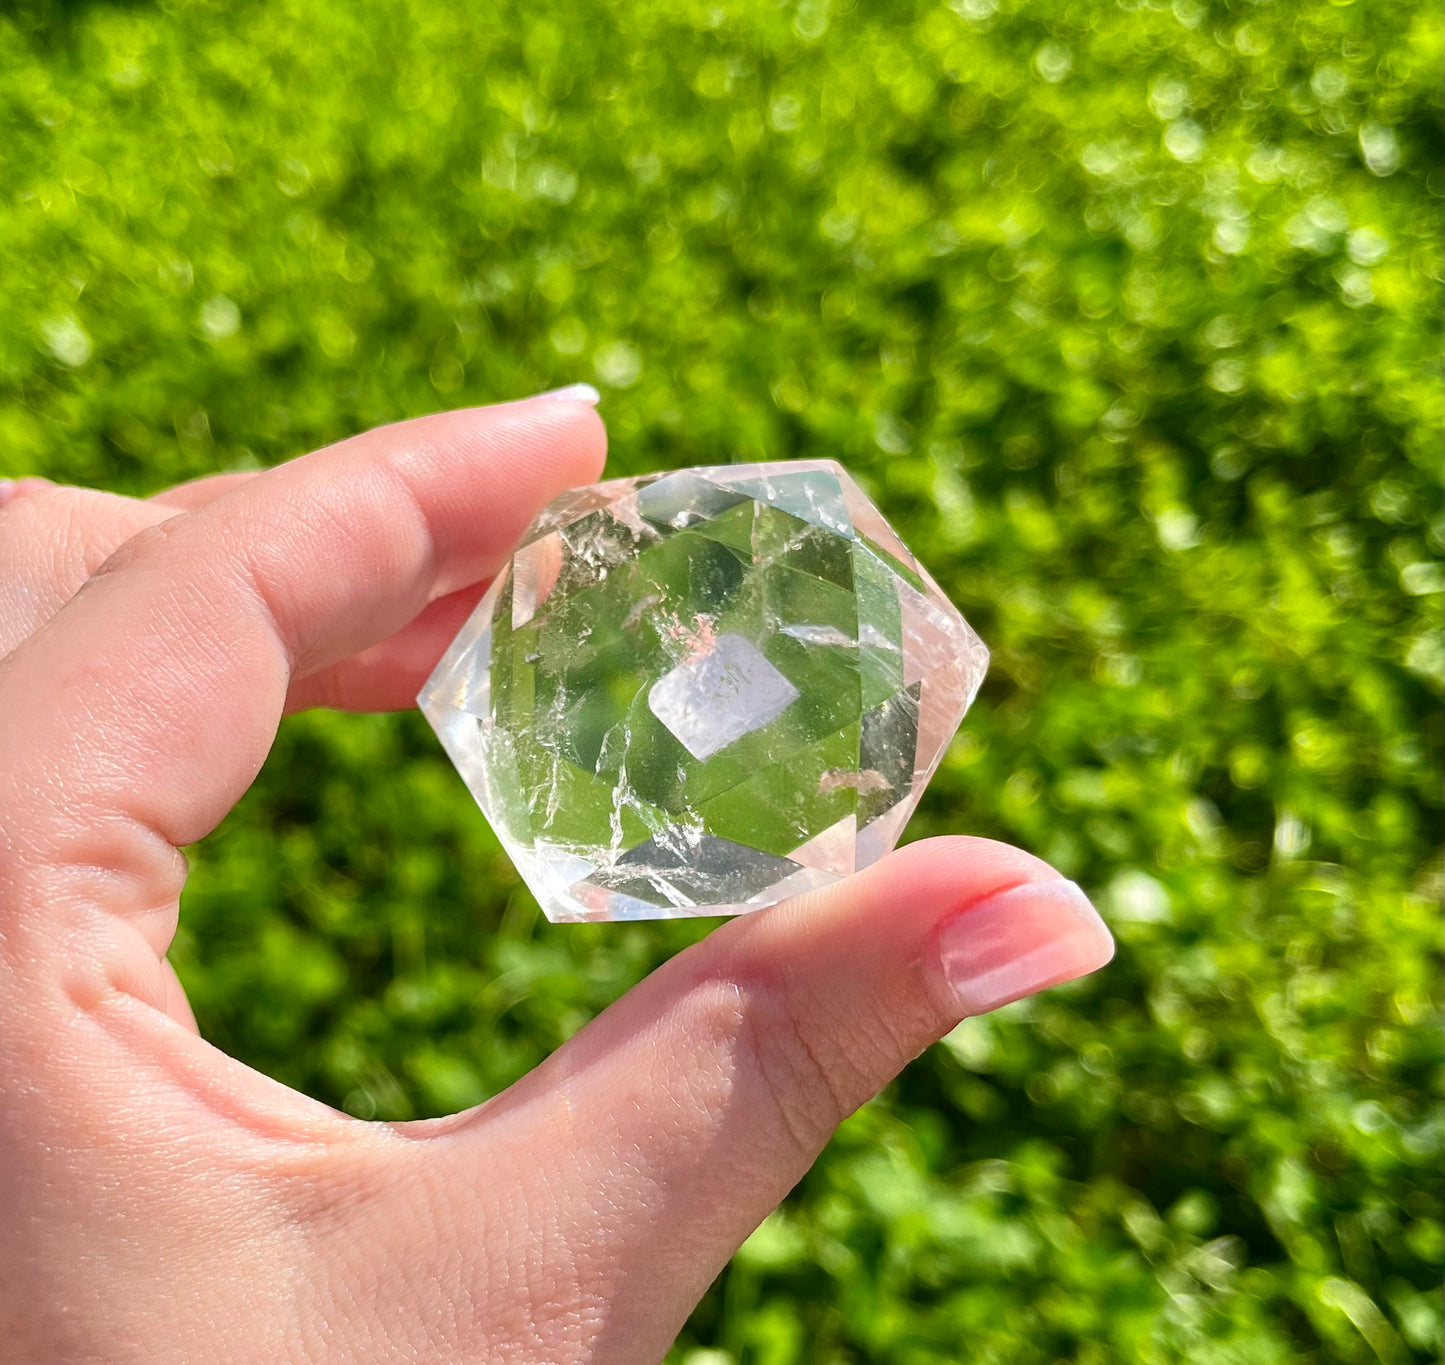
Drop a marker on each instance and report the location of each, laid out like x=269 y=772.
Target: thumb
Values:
x=664 y=1132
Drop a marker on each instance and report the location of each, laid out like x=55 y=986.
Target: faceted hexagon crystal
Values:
x=697 y=693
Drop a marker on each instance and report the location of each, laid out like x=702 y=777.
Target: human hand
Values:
x=161 y=1201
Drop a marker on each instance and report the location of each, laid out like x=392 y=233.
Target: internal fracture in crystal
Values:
x=697 y=693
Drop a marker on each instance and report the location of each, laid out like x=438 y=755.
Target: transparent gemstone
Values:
x=699 y=692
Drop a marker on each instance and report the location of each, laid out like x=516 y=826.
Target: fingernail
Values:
x=7 y=487
x=574 y=393
x=1020 y=941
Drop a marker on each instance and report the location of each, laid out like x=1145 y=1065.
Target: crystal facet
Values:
x=699 y=692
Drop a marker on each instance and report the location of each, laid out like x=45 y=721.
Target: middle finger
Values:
x=51 y=540
x=56 y=536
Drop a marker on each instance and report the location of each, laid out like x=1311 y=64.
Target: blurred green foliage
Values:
x=1129 y=314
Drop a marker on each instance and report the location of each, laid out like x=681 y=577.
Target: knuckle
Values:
x=807 y=1095
x=784 y=1056
x=40 y=519
x=809 y=1056
x=53 y=541
x=144 y=547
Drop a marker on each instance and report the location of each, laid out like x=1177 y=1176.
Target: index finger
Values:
x=132 y=722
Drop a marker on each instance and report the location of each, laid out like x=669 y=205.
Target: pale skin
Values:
x=161 y=1202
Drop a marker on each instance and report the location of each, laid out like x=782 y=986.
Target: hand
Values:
x=162 y=1202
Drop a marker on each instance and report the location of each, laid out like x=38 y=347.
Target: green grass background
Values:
x=1129 y=316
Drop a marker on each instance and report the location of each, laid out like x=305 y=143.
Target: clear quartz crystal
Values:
x=697 y=693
